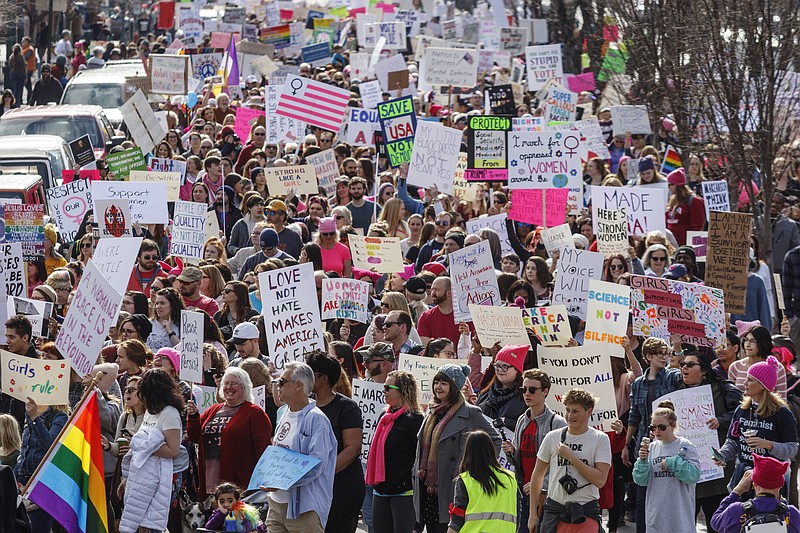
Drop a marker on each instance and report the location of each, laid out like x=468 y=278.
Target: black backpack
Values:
x=772 y=522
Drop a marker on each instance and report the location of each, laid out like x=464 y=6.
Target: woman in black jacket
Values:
x=502 y=397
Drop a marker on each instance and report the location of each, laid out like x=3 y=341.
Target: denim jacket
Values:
x=667 y=380
x=36 y=440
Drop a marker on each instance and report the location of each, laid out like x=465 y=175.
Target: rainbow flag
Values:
x=672 y=161
x=70 y=485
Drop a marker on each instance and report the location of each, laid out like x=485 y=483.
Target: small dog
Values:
x=194 y=514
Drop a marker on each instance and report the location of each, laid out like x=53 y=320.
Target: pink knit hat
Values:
x=327 y=225
x=513 y=355
x=173 y=355
x=766 y=373
x=768 y=472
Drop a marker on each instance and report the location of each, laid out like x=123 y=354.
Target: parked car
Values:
x=106 y=87
x=45 y=155
x=22 y=189
x=69 y=122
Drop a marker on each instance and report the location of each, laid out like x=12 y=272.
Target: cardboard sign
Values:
x=499 y=325
x=291 y=318
x=715 y=197
x=661 y=307
x=581 y=366
x=25 y=224
x=527 y=206
x=550 y=324
x=574 y=270
x=121 y=163
x=495 y=222
x=514 y=40
x=644 y=206
x=95 y=308
x=487 y=140
x=778 y=284
x=172 y=180
x=280 y=468
x=434 y=156
x=45 y=382
x=114 y=258
x=346 y=299
x=14 y=270
x=168 y=74
x=398 y=124
x=369 y=397
x=463 y=189
x=360 y=125
x=113 y=218
x=607 y=316
x=612 y=231
x=188 y=230
x=727 y=261
x=474 y=280
x=630 y=118
x=327 y=170
x=191 y=346
x=695 y=407
x=68 y=205
x=450 y=66
x=82 y=151
x=557 y=238
x=543 y=63
x=377 y=254
x=544 y=160
x=500 y=100
x=142 y=124
x=148 y=201
x=424 y=369
x=37 y=312
x=398 y=80
x=302 y=179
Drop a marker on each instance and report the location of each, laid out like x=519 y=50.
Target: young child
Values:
x=228 y=503
x=669 y=468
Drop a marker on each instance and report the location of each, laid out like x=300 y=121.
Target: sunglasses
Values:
x=328 y=234
x=280 y=382
x=150 y=257
x=442 y=223
x=86 y=245
x=259 y=134
x=659 y=259
x=273 y=213
x=661 y=427
x=387 y=388
x=339 y=217
x=389 y=323
x=690 y=364
x=616 y=267
x=227 y=291
x=530 y=390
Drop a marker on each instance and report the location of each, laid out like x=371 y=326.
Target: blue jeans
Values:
x=523 y=512
x=366 y=509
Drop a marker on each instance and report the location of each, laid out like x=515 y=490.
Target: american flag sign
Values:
x=313 y=102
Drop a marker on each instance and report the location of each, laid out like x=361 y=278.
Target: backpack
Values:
x=755 y=522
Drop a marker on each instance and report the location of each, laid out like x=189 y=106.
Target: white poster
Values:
x=14 y=269
x=451 y=66
x=715 y=197
x=544 y=63
x=630 y=119
x=346 y=299
x=188 y=230
x=496 y=223
x=473 y=280
x=435 y=156
x=574 y=270
x=644 y=206
x=191 y=346
x=114 y=259
x=68 y=205
x=148 y=201
x=369 y=397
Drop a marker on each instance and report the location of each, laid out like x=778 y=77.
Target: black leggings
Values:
x=393 y=514
x=709 y=505
x=346 y=505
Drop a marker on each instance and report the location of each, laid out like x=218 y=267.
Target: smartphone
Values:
x=717 y=455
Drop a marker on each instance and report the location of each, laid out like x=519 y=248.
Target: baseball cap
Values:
x=378 y=350
x=269 y=238
x=277 y=205
x=244 y=332
x=191 y=274
x=415 y=285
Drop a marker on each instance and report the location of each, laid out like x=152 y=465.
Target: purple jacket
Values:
x=728 y=518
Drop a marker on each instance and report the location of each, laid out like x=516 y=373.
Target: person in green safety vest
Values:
x=485 y=497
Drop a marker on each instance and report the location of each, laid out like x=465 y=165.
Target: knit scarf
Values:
x=431 y=431
x=499 y=395
x=376 y=462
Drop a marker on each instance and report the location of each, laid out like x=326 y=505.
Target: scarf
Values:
x=376 y=462
x=498 y=396
x=431 y=431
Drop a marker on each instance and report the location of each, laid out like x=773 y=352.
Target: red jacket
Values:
x=686 y=216
x=135 y=281
x=243 y=441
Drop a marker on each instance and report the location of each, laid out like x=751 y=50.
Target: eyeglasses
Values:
x=269 y=147
x=268 y=248
x=659 y=354
x=616 y=267
x=749 y=340
x=206 y=147
x=390 y=323
x=690 y=364
x=259 y=134
x=660 y=427
x=442 y=223
x=131 y=390
x=449 y=353
x=280 y=382
x=530 y=390
x=501 y=367
x=273 y=213
x=127 y=302
x=386 y=388
x=331 y=234
x=128 y=331
x=659 y=259
x=150 y=257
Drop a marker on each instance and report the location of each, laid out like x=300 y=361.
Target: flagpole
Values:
x=57 y=440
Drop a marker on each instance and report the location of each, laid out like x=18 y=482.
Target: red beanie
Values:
x=514 y=355
x=768 y=472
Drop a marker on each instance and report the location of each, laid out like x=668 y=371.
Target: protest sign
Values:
x=694 y=407
x=581 y=366
x=45 y=382
x=630 y=119
x=167 y=166
x=13 y=269
x=487 y=158
x=527 y=206
x=301 y=98
x=316 y=54
x=25 y=224
x=424 y=369
x=543 y=63
x=398 y=124
x=204 y=397
x=94 y=309
x=148 y=201
x=188 y=230
x=121 y=163
x=495 y=222
x=661 y=307
x=727 y=261
x=68 y=205
x=378 y=254
x=280 y=468
x=168 y=74
x=172 y=180
x=556 y=238
x=360 y=125
x=114 y=258
x=113 y=218
x=327 y=170
x=191 y=346
x=82 y=151
x=473 y=279
x=699 y=241
x=550 y=324
x=206 y=65
x=345 y=298
x=245 y=118
x=371 y=94
x=370 y=399
x=499 y=325
x=778 y=284
x=463 y=189
x=612 y=231
x=260 y=397
x=359 y=63
x=500 y=100
x=528 y=124
x=141 y=122
x=645 y=207
x=574 y=270
x=715 y=197
x=514 y=40
x=434 y=156
x=562 y=104
x=607 y=316
x=302 y=179
x=38 y=313
x=291 y=318
x=394 y=32
x=450 y=66
x=544 y=160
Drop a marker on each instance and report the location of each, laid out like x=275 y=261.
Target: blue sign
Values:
x=316 y=52
x=280 y=468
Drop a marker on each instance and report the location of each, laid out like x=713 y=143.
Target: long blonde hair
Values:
x=10 y=439
x=407 y=387
x=392 y=214
x=396 y=300
x=769 y=404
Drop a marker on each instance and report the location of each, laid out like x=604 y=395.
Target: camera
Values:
x=568 y=483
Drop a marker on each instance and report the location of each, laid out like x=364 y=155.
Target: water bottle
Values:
x=682 y=452
x=230 y=522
